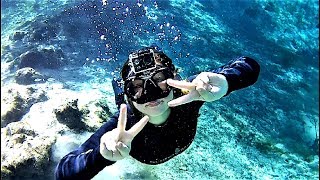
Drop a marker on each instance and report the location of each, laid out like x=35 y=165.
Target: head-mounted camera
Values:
x=146 y=74
x=142 y=61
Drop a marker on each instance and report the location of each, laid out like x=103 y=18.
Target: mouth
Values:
x=154 y=103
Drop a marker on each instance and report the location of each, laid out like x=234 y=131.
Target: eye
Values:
x=135 y=87
x=138 y=92
x=159 y=77
x=137 y=83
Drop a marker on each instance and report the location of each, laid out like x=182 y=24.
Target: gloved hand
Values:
x=116 y=144
x=207 y=86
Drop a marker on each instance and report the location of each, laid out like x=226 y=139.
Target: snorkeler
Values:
x=158 y=112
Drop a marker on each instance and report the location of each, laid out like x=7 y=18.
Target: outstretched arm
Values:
x=240 y=73
x=211 y=86
x=86 y=161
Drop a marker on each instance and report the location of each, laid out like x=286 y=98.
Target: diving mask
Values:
x=146 y=79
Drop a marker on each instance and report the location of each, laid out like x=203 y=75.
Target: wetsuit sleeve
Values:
x=240 y=73
x=86 y=161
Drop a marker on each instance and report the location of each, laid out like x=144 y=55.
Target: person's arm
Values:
x=86 y=161
x=211 y=86
x=240 y=73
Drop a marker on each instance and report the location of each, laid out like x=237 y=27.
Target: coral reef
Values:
x=70 y=115
x=24 y=154
x=28 y=75
x=17 y=100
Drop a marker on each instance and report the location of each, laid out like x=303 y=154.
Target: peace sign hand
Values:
x=207 y=86
x=116 y=144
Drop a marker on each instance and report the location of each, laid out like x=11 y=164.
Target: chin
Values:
x=156 y=111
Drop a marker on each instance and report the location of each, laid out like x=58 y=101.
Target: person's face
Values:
x=155 y=108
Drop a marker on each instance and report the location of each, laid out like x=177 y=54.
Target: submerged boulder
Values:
x=16 y=102
x=28 y=75
x=44 y=30
x=96 y=113
x=18 y=35
x=50 y=58
x=24 y=153
x=83 y=116
x=70 y=115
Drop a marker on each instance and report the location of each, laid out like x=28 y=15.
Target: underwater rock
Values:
x=96 y=113
x=87 y=116
x=70 y=115
x=50 y=58
x=16 y=102
x=28 y=75
x=24 y=154
x=18 y=35
x=30 y=59
x=43 y=31
x=103 y=113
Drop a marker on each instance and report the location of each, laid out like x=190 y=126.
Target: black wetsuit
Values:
x=154 y=144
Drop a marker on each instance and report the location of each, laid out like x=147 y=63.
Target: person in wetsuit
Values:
x=157 y=117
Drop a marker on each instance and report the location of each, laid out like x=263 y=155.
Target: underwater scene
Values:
x=58 y=60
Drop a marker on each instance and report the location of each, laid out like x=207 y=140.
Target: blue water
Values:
x=282 y=107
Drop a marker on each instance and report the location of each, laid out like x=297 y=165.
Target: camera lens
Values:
x=147 y=59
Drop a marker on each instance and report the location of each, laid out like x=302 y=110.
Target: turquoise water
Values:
x=266 y=131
